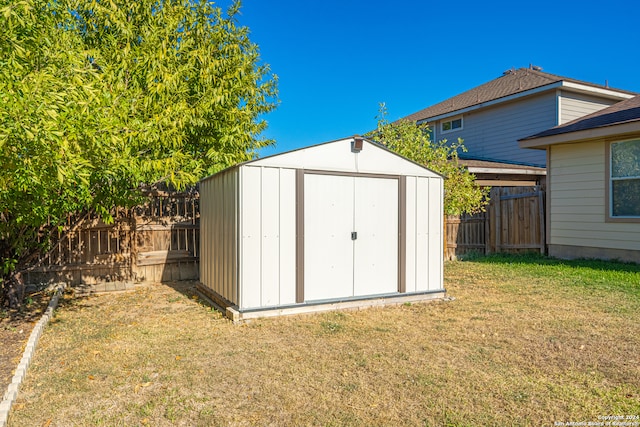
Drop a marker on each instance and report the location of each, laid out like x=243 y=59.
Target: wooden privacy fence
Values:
x=159 y=240
x=513 y=222
x=156 y=241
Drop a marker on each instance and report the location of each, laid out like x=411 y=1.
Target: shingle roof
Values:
x=622 y=112
x=510 y=83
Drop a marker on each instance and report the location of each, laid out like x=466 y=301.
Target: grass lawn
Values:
x=527 y=341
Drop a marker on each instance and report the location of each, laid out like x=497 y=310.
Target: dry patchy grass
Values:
x=522 y=344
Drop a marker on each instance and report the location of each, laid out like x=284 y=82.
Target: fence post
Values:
x=541 y=214
x=487 y=229
x=444 y=235
x=498 y=219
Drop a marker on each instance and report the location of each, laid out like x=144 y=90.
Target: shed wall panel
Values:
x=422 y=234
x=436 y=243
x=205 y=232
x=217 y=251
x=218 y=228
x=270 y=230
x=250 y=220
x=220 y=246
x=411 y=234
x=229 y=232
x=287 y=248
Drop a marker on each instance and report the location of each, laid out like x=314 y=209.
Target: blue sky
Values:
x=337 y=60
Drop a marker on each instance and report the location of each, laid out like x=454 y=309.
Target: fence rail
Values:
x=513 y=222
x=158 y=240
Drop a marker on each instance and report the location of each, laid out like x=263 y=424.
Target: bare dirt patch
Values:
x=15 y=328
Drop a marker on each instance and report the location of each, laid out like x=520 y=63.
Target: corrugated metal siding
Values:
x=424 y=234
x=436 y=238
x=411 y=241
x=493 y=133
x=218 y=231
x=267 y=245
x=422 y=249
x=250 y=248
x=573 y=105
x=287 y=236
x=270 y=237
x=578 y=200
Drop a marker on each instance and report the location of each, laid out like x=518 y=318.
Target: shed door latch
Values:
x=354 y=235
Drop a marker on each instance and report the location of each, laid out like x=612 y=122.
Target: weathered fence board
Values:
x=513 y=222
x=156 y=241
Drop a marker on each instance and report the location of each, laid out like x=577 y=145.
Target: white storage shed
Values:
x=342 y=224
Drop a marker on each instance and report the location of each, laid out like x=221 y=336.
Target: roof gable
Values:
x=338 y=156
x=512 y=82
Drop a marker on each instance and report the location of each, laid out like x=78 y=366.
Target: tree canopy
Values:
x=100 y=97
x=413 y=141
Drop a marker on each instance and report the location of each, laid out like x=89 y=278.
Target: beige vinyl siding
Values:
x=493 y=133
x=578 y=200
x=573 y=105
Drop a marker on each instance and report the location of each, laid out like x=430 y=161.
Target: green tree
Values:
x=99 y=98
x=183 y=89
x=413 y=141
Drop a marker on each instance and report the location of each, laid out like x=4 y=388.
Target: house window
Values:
x=624 y=169
x=451 y=125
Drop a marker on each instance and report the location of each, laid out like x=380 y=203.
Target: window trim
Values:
x=451 y=120
x=609 y=217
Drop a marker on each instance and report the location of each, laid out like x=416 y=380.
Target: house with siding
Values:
x=593 y=184
x=492 y=117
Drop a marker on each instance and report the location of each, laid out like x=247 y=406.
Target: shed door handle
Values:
x=354 y=235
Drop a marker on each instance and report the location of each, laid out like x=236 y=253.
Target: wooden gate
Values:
x=513 y=222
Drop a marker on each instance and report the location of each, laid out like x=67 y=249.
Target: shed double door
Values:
x=350 y=236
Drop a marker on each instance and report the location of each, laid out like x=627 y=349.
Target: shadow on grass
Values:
x=188 y=289
x=185 y=287
x=31 y=309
